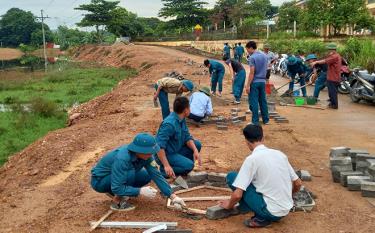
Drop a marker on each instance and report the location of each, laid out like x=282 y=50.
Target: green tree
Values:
x=186 y=13
x=99 y=14
x=16 y=27
x=125 y=23
x=67 y=37
x=288 y=13
x=37 y=35
x=315 y=16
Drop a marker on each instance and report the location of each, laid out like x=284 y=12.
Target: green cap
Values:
x=188 y=84
x=144 y=143
x=310 y=57
x=292 y=60
x=205 y=90
x=267 y=46
x=332 y=46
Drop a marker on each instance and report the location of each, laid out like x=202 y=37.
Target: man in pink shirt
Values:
x=333 y=74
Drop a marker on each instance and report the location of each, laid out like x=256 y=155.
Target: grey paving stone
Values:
x=217 y=177
x=339 y=151
x=175 y=187
x=338 y=161
x=368 y=189
x=336 y=176
x=342 y=168
x=222 y=127
x=304 y=175
x=364 y=157
x=235 y=110
x=344 y=176
x=354 y=182
x=237 y=122
x=217 y=212
x=354 y=152
x=242 y=118
x=198 y=177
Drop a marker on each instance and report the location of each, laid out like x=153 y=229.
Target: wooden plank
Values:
x=218 y=188
x=176 y=231
x=157 y=228
x=136 y=225
x=187 y=210
x=96 y=224
x=215 y=198
x=190 y=189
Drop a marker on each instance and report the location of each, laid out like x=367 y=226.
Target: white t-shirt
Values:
x=272 y=175
x=200 y=104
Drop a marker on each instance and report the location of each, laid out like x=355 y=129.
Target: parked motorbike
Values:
x=346 y=78
x=282 y=65
x=362 y=87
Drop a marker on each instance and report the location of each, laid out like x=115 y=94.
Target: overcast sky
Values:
x=62 y=11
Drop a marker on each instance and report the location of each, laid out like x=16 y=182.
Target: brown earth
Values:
x=10 y=54
x=45 y=188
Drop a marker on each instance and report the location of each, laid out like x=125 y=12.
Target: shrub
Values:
x=44 y=107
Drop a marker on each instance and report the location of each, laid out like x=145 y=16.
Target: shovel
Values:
x=181 y=182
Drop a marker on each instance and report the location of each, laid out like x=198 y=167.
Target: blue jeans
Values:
x=215 y=79
x=252 y=201
x=164 y=102
x=258 y=97
x=320 y=83
x=302 y=82
x=239 y=58
x=181 y=162
x=103 y=184
x=238 y=84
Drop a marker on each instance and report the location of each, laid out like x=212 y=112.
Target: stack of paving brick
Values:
x=354 y=169
x=235 y=119
x=203 y=178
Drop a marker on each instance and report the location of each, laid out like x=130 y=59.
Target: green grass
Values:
x=47 y=98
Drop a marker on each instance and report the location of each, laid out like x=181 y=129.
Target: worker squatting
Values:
x=265 y=182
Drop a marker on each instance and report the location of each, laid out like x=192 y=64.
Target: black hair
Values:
x=206 y=62
x=239 y=43
x=180 y=104
x=253 y=133
x=251 y=44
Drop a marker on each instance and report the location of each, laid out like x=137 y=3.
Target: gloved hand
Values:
x=178 y=202
x=148 y=192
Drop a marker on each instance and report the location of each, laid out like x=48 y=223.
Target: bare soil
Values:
x=45 y=188
x=10 y=54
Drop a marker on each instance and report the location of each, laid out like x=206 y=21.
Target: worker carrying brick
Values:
x=179 y=150
x=125 y=172
x=217 y=72
x=200 y=104
x=264 y=184
x=238 y=74
x=165 y=86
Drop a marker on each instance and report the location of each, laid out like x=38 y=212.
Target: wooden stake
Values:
x=93 y=227
x=218 y=188
x=190 y=189
x=217 y=198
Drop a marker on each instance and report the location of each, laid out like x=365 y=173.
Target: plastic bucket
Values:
x=269 y=88
x=311 y=100
x=299 y=101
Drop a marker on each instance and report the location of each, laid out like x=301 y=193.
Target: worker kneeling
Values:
x=125 y=171
x=264 y=184
x=178 y=150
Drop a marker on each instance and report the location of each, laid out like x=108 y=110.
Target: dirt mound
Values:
x=10 y=54
x=46 y=186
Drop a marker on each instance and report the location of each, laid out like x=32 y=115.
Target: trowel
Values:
x=181 y=182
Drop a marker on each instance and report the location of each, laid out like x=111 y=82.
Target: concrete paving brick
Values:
x=338 y=161
x=304 y=175
x=354 y=182
x=354 y=152
x=235 y=110
x=199 y=177
x=364 y=157
x=339 y=151
x=217 y=212
x=282 y=121
x=237 y=122
x=336 y=176
x=217 y=177
x=175 y=187
x=344 y=176
x=222 y=127
x=342 y=168
x=242 y=118
x=248 y=112
x=368 y=189
x=371 y=170
x=236 y=118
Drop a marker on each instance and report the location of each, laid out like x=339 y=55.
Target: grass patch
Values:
x=38 y=104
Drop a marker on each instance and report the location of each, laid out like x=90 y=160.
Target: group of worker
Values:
x=263 y=185
x=323 y=72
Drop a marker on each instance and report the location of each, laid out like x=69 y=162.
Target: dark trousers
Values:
x=164 y=102
x=252 y=201
x=195 y=117
x=332 y=92
x=257 y=98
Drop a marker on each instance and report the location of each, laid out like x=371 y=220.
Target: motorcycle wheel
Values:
x=342 y=89
x=353 y=96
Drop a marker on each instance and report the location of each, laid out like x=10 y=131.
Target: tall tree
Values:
x=16 y=27
x=185 y=13
x=125 y=23
x=99 y=14
x=288 y=13
x=315 y=15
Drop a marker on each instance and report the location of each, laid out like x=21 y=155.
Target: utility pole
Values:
x=44 y=39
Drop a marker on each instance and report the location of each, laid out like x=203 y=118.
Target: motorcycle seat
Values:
x=368 y=77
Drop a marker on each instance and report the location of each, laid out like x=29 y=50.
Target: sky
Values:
x=61 y=12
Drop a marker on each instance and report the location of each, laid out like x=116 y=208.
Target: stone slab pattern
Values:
x=355 y=182
x=368 y=188
x=203 y=178
x=344 y=176
x=217 y=212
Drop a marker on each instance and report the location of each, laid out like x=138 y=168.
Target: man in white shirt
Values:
x=200 y=104
x=264 y=184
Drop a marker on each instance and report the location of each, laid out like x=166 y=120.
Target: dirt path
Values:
x=45 y=188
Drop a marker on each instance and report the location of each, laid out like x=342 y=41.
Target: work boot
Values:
x=122 y=206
